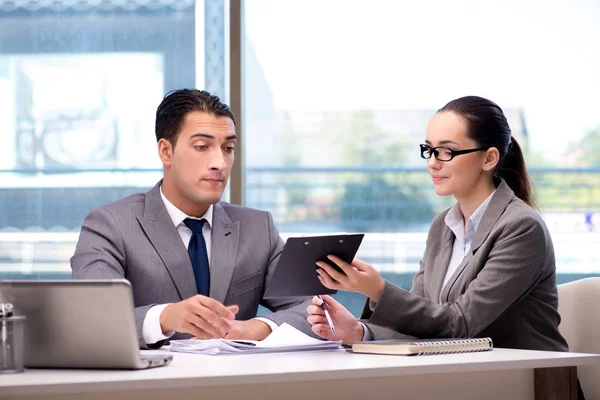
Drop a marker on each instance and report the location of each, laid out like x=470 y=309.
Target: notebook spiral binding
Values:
x=454 y=346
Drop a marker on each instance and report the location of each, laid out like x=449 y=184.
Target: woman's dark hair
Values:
x=488 y=127
x=178 y=103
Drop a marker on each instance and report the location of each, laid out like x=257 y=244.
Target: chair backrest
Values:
x=579 y=308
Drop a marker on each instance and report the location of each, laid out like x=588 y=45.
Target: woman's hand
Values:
x=357 y=277
x=347 y=328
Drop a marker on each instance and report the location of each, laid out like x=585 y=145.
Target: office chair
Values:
x=579 y=308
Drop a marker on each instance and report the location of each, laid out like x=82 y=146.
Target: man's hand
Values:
x=252 y=329
x=200 y=316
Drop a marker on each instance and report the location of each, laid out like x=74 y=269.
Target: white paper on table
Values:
x=284 y=338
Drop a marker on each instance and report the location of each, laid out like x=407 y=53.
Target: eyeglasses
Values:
x=442 y=153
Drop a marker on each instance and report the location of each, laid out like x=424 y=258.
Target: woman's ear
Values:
x=165 y=151
x=492 y=157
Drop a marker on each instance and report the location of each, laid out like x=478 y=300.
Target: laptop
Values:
x=79 y=324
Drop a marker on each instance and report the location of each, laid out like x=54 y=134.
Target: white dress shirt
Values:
x=462 y=241
x=462 y=244
x=151 y=330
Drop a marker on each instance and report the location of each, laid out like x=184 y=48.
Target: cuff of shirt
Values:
x=267 y=321
x=367 y=335
x=151 y=330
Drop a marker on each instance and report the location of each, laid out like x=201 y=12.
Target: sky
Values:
x=542 y=56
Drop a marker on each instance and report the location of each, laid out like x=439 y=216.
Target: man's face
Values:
x=197 y=168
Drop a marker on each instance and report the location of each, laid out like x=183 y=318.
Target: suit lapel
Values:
x=163 y=235
x=500 y=200
x=225 y=239
x=494 y=211
x=454 y=277
x=440 y=265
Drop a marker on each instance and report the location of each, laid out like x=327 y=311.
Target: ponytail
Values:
x=514 y=173
x=488 y=127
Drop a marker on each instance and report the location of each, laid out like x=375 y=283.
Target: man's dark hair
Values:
x=178 y=103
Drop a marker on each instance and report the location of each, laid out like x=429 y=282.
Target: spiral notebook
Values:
x=420 y=347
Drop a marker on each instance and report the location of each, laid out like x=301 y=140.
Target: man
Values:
x=162 y=241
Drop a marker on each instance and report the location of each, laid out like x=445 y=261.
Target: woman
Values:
x=488 y=267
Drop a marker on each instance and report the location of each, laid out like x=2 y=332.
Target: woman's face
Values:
x=460 y=175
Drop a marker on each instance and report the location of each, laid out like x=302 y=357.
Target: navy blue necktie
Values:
x=198 y=255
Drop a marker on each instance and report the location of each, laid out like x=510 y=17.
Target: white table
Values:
x=499 y=374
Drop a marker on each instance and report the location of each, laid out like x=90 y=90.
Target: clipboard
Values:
x=296 y=271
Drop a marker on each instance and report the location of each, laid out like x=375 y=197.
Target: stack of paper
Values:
x=284 y=338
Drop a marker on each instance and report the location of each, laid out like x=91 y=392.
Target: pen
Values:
x=329 y=320
x=243 y=342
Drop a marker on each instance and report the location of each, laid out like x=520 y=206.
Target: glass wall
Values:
x=338 y=95
x=79 y=85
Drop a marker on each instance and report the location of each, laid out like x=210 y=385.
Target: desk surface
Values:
x=189 y=370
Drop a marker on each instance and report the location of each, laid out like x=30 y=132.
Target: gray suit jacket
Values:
x=135 y=239
x=505 y=288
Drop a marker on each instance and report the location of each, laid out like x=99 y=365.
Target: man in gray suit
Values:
x=162 y=241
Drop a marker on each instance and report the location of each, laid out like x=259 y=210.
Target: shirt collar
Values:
x=478 y=214
x=177 y=216
x=455 y=216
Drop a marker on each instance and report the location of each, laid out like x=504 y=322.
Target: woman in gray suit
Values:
x=488 y=267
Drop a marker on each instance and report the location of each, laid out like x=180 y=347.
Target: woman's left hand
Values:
x=357 y=277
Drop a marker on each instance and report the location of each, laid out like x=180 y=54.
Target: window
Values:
x=79 y=86
x=338 y=95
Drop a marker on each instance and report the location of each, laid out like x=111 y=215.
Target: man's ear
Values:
x=165 y=151
x=492 y=157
